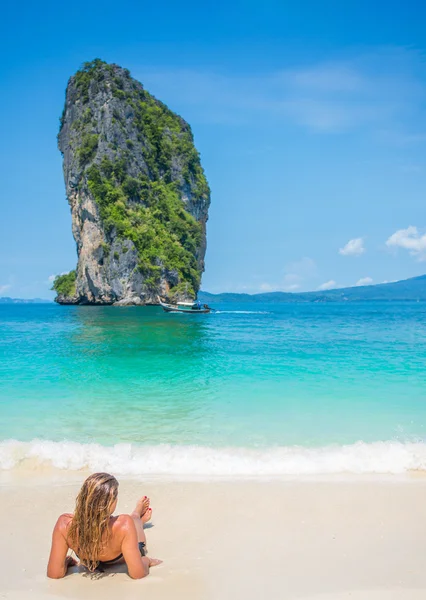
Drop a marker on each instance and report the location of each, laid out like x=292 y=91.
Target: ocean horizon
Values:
x=251 y=390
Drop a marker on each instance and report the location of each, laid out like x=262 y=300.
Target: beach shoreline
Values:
x=328 y=538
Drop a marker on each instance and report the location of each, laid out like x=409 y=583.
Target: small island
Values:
x=138 y=194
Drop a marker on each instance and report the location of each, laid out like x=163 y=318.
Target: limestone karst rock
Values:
x=138 y=195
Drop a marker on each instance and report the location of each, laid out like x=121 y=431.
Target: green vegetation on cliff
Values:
x=87 y=150
x=65 y=284
x=151 y=215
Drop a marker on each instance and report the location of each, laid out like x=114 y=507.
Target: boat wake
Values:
x=242 y=312
x=196 y=461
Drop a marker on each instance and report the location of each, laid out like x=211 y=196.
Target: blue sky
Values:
x=310 y=118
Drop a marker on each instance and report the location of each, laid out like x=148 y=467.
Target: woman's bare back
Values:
x=111 y=549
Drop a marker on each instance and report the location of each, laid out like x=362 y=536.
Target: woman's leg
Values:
x=141 y=515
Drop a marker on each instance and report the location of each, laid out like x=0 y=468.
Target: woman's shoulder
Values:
x=123 y=521
x=63 y=521
x=122 y=524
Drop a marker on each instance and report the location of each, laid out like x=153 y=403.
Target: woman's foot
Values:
x=142 y=506
x=147 y=516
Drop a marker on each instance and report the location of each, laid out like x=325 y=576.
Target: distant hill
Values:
x=6 y=300
x=408 y=289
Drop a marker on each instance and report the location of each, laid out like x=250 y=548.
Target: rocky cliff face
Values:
x=138 y=195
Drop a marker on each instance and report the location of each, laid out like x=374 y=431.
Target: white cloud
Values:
x=295 y=275
x=292 y=287
x=354 y=247
x=297 y=272
x=380 y=89
x=328 y=77
x=411 y=168
x=4 y=288
x=292 y=278
x=364 y=281
x=303 y=267
x=409 y=239
x=291 y=282
x=328 y=285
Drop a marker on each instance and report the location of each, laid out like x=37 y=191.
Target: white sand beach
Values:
x=360 y=539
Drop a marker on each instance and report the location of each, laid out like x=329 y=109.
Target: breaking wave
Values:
x=197 y=461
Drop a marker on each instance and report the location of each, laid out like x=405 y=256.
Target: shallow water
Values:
x=272 y=388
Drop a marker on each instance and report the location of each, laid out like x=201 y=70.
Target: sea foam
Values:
x=195 y=461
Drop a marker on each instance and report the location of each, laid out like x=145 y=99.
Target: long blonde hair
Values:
x=89 y=529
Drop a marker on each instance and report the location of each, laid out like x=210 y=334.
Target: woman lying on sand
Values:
x=97 y=538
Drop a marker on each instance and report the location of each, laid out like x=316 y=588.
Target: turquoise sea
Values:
x=273 y=389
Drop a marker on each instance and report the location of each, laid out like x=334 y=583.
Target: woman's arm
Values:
x=58 y=560
x=137 y=565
